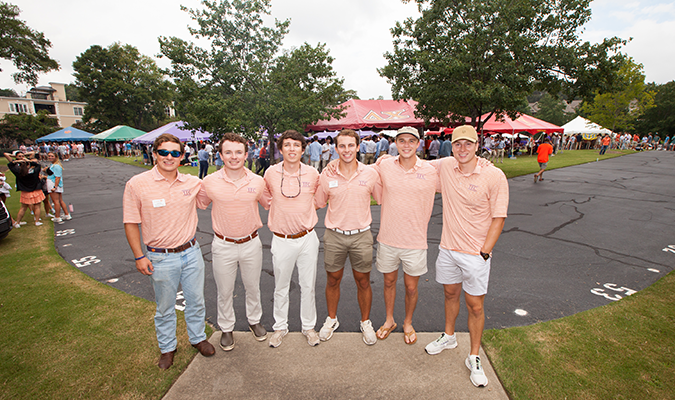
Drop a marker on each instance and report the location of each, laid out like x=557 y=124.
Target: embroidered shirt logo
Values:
x=305 y=184
x=186 y=192
x=363 y=183
x=421 y=176
x=251 y=190
x=473 y=188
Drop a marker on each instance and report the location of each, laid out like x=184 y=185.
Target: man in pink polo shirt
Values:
x=289 y=194
x=475 y=203
x=408 y=186
x=348 y=219
x=235 y=192
x=163 y=202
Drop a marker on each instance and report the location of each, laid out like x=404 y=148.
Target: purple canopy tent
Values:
x=174 y=129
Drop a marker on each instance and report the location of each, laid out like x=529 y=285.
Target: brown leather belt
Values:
x=175 y=249
x=294 y=236
x=237 y=241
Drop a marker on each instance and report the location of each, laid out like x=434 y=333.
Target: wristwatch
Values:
x=485 y=255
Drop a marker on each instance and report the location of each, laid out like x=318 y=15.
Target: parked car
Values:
x=5 y=221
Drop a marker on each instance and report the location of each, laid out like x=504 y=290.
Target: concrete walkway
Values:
x=341 y=368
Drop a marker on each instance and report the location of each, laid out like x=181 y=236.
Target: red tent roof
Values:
x=524 y=123
x=383 y=114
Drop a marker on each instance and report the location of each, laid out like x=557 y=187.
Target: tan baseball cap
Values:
x=467 y=132
x=410 y=130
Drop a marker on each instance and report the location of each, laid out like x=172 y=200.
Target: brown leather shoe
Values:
x=205 y=348
x=259 y=332
x=166 y=360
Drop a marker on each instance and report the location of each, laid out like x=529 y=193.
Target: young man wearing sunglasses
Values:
x=289 y=194
x=235 y=192
x=164 y=202
x=347 y=193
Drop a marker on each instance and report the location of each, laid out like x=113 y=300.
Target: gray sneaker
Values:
x=275 y=340
x=443 y=342
x=478 y=377
x=368 y=332
x=312 y=337
x=328 y=328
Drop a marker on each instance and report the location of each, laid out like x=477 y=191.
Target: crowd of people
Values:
x=38 y=182
x=162 y=204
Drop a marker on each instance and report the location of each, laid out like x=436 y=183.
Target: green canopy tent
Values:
x=120 y=133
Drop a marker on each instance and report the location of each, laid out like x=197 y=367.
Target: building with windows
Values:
x=51 y=98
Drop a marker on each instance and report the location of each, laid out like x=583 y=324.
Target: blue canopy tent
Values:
x=68 y=134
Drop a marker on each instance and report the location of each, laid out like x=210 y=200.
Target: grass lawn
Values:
x=64 y=335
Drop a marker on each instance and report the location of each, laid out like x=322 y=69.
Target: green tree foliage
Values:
x=121 y=87
x=25 y=128
x=241 y=83
x=471 y=57
x=72 y=93
x=619 y=110
x=27 y=49
x=661 y=117
x=8 y=93
x=552 y=110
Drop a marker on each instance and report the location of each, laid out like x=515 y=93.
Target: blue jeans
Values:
x=603 y=149
x=203 y=169
x=186 y=268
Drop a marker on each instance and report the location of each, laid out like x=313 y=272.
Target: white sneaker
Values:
x=16 y=225
x=38 y=223
x=443 y=342
x=328 y=328
x=275 y=340
x=50 y=215
x=368 y=332
x=478 y=377
x=312 y=337
x=67 y=217
x=57 y=220
x=23 y=223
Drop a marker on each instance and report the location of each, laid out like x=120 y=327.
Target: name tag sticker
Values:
x=158 y=203
x=333 y=184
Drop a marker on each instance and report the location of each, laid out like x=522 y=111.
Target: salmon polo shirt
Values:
x=291 y=208
x=235 y=212
x=348 y=198
x=167 y=211
x=470 y=202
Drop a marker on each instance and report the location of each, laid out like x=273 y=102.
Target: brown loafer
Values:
x=259 y=332
x=166 y=360
x=205 y=348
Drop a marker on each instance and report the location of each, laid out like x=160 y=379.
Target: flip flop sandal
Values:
x=386 y=331
x=407 y=335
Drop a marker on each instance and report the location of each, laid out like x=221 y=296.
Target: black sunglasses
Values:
x=174 y=153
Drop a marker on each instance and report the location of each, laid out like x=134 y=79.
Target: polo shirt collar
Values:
x=159 y=177
x=476 y=170
x=222 y=175
x=280 y=168
x=418 y=164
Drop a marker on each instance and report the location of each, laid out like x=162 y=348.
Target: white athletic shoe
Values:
x=23 y=222
x=328 y=328
x=312 y=337
x=478 y=377
x=443 y=342
x=275 y=340
x=368 y=332
x=67 y=217
x=57 y=220
x=38 y=223
x=16 y=225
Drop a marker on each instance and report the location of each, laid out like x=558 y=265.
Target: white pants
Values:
x=226 y=256
x=286 y=253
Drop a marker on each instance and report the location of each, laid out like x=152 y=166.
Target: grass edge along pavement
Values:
x=64 y=335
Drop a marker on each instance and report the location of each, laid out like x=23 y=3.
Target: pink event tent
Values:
x=524 y=123
x=381 y=114
x=174 y=129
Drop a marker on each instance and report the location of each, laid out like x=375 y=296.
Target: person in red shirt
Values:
x=545 y=149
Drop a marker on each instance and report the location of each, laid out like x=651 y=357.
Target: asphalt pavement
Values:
x=585 y=236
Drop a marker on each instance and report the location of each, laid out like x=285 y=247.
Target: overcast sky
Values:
x=355 y=31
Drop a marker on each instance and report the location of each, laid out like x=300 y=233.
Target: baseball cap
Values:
x=467 y=132
x=409 y=130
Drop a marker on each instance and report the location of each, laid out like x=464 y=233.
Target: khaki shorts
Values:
x=359 y=248
x=414 y=261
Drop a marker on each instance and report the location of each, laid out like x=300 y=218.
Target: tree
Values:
x=25 y=128
x=242 y=83
x=121 y=87
x=72 y=93
x=26 y=48
x=552 y=110
x=471 y=57
x=620 y=109
x=8 y=93
x=661 y=117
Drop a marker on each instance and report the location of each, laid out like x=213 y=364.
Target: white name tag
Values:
x=158 y=203
x=333 y=184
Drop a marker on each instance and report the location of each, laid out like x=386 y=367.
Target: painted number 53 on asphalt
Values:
x=612 y=296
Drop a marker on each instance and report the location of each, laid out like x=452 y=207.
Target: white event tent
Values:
x=589 y=129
